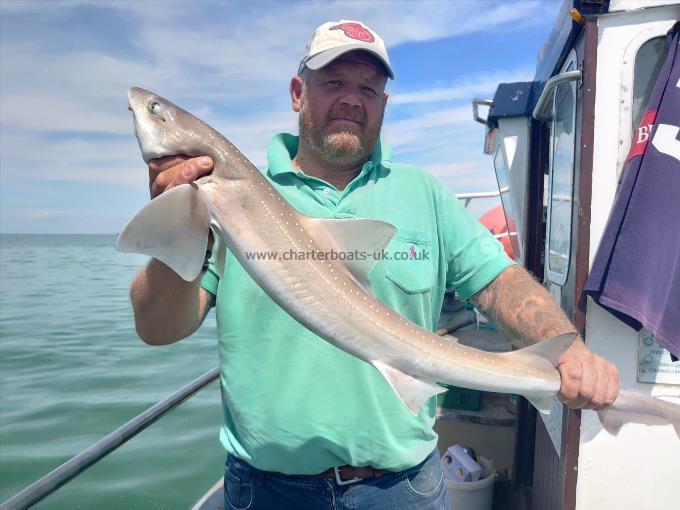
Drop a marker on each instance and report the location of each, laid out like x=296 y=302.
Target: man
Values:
x=307 y=425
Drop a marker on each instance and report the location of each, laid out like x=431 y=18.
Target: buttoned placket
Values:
x=331 y=197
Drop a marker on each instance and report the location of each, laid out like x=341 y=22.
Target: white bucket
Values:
x=472 y=495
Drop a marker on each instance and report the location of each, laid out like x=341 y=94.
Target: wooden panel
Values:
x=555 y=478
x=585 y=175
x=525 y=437
x=584 y=189
x=548 y=473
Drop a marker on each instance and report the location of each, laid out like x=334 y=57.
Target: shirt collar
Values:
x=284 y=146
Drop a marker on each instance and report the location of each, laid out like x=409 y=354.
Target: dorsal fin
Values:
x=550 y=349
x=538 y=354
x=360 y=239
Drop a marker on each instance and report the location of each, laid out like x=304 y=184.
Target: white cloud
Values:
x=446 y=127
x=33 y=158
x=401 y=22
x=229 y=63
x=467 y=89
x=116 y=159
x=42 y=215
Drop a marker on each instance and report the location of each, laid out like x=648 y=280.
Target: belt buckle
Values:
x=340 y=481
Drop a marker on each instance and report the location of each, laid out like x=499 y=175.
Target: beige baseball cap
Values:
x=336 y=38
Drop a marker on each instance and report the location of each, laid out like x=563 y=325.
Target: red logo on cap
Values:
x=355 y=31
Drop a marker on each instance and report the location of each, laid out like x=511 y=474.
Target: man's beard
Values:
x=344 y=149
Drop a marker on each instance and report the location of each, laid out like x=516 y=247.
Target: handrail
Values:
x=539 y=113
x=475 y=109
x=80 y=462
x=467 y=197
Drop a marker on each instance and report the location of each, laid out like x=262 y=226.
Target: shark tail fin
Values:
x=633 y=407
x=172 y=228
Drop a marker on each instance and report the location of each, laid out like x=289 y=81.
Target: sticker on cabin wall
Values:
x=654 y=362
x=553 y=424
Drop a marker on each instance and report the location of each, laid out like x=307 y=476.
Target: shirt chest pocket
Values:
x=409 y=261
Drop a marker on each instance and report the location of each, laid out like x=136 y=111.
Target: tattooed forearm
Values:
x=521 y=309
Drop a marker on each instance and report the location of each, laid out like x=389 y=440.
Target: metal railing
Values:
x=79 y=463
x=59 y=476
x=468 y=197
x=476 y=103
x=541 y=112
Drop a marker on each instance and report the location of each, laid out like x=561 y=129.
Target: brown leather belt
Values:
x=344 y=475
x=349 y=474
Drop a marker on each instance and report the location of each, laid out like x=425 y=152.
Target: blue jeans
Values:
x=421 y=487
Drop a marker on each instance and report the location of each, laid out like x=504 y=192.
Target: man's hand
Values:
x=588 y=381
x=166 y=307
x=525 y=313
x=171 y=171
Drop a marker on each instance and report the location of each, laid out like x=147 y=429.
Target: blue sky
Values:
x=70 y=163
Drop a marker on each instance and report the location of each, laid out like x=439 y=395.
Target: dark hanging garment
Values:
x=636 y=271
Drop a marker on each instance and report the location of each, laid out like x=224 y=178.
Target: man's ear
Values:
x=385 y=96
x=296 y=93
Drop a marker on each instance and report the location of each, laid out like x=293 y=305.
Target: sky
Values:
x=69 y=162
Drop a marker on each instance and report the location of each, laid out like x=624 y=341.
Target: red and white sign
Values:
x=642 y=134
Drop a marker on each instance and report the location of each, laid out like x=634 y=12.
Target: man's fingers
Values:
x=190 y=170
x=587 y=389
x=571 y=374
x=156 y=166
x=578 y=382
x=162 y=172
x=588 y=381
x=609 y=388
x=613 y=385
x=166 y=173
x=600 y=388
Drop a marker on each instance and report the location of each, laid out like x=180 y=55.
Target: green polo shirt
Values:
x=294 y=403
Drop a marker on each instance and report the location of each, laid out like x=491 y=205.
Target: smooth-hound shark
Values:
x=332 y=298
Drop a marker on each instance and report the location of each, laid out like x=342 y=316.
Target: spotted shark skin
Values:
x=333 y=298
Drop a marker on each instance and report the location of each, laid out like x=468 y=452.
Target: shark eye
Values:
x=155 y=107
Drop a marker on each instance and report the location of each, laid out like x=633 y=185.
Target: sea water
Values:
x=72 y=369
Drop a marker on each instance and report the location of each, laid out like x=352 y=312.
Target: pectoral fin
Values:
x=172 y=228
x=412 y=391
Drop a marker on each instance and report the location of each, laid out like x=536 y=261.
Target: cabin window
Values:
x=648 y=61
x=561 y=180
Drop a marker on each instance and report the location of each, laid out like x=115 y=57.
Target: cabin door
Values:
x=565 y=169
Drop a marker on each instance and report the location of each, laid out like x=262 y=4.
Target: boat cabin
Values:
x=558 y=145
